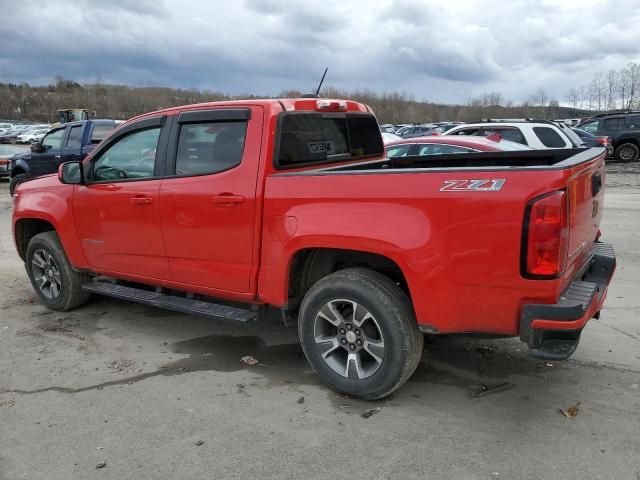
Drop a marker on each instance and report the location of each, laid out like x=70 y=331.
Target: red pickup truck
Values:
x=223 y=209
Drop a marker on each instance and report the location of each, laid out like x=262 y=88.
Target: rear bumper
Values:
x=552 y=331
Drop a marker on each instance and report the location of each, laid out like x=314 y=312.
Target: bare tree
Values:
x=632 y=72
x=572 y=98
x=611 y=82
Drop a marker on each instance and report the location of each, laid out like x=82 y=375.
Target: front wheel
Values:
x=54 y=280
x=627 y=152
x=359 y=333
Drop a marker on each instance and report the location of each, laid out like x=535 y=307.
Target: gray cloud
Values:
x=432 y=49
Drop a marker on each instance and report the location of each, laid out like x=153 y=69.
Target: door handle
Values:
x=140 y=200
x=227 y=199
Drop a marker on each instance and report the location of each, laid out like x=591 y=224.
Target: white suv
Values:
x=538 y=134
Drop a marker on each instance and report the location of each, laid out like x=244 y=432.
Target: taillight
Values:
x=546 y=236
x=602 y=140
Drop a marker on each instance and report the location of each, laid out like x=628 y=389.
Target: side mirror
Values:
x=71 y=173
x=37 y=147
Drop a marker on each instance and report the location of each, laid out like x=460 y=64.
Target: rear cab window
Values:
x=100 y=132
x=310 y=138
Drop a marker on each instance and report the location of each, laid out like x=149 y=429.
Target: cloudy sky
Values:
x=435 y=50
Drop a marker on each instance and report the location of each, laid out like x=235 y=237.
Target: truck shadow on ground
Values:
x=455 y=361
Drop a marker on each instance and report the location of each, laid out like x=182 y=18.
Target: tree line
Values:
x=615 y=89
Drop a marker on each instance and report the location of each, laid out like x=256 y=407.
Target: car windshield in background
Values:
x=312 y=138
x=582 y=133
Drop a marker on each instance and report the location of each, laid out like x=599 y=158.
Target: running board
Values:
x=171 y=302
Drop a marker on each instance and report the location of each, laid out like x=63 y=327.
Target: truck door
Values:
x=117 y=210
x=208 y=203
x=47 y=159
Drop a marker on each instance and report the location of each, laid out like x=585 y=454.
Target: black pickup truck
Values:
x=69 y=142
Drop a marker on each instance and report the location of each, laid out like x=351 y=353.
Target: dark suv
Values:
x=623 y=129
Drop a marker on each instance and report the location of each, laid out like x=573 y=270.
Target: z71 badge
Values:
x=485 y=185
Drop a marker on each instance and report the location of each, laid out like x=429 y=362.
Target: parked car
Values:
x=32 y=136
x=450 y=144
x=292 y=203
x=416 y=131
x=624 y=130
x=538 y=134
x=390 y=137
x=7 y=154
x=10 y=136
x=593 y=141
x=71 y=141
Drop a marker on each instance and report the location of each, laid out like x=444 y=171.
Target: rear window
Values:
x=633 y=121
x=100 y=132
x=314 y=138
x=549 y=137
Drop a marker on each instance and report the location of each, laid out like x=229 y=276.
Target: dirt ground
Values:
x=159 y=395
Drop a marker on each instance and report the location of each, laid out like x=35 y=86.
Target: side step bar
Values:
x=171 y=302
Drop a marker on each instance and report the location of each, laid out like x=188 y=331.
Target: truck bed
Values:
x=529 y=159
x=453 y=223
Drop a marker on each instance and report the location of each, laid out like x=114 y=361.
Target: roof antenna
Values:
x=315 y=95
x=321 y=81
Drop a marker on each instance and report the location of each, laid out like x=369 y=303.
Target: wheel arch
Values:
x=27 y=228
x=308 y=265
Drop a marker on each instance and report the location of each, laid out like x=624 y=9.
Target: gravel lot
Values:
x=141 y=388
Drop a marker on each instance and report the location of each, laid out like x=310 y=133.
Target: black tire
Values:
x=46 y=246
x=627 y=152
x=13 y=140
x=15 y=180
x=393 y=316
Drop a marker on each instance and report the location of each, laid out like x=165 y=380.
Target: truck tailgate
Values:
x=585 y=187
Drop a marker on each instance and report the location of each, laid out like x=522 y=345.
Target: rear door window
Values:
x=549 y=137
x=313 y=138
x=511 y=134
x=210 y=147
x=75 y=137
x=614 y=123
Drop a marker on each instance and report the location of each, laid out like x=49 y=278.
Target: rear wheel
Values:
x=15 y=180
x=54 y=280
x=627 y=152
x=359 y=333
